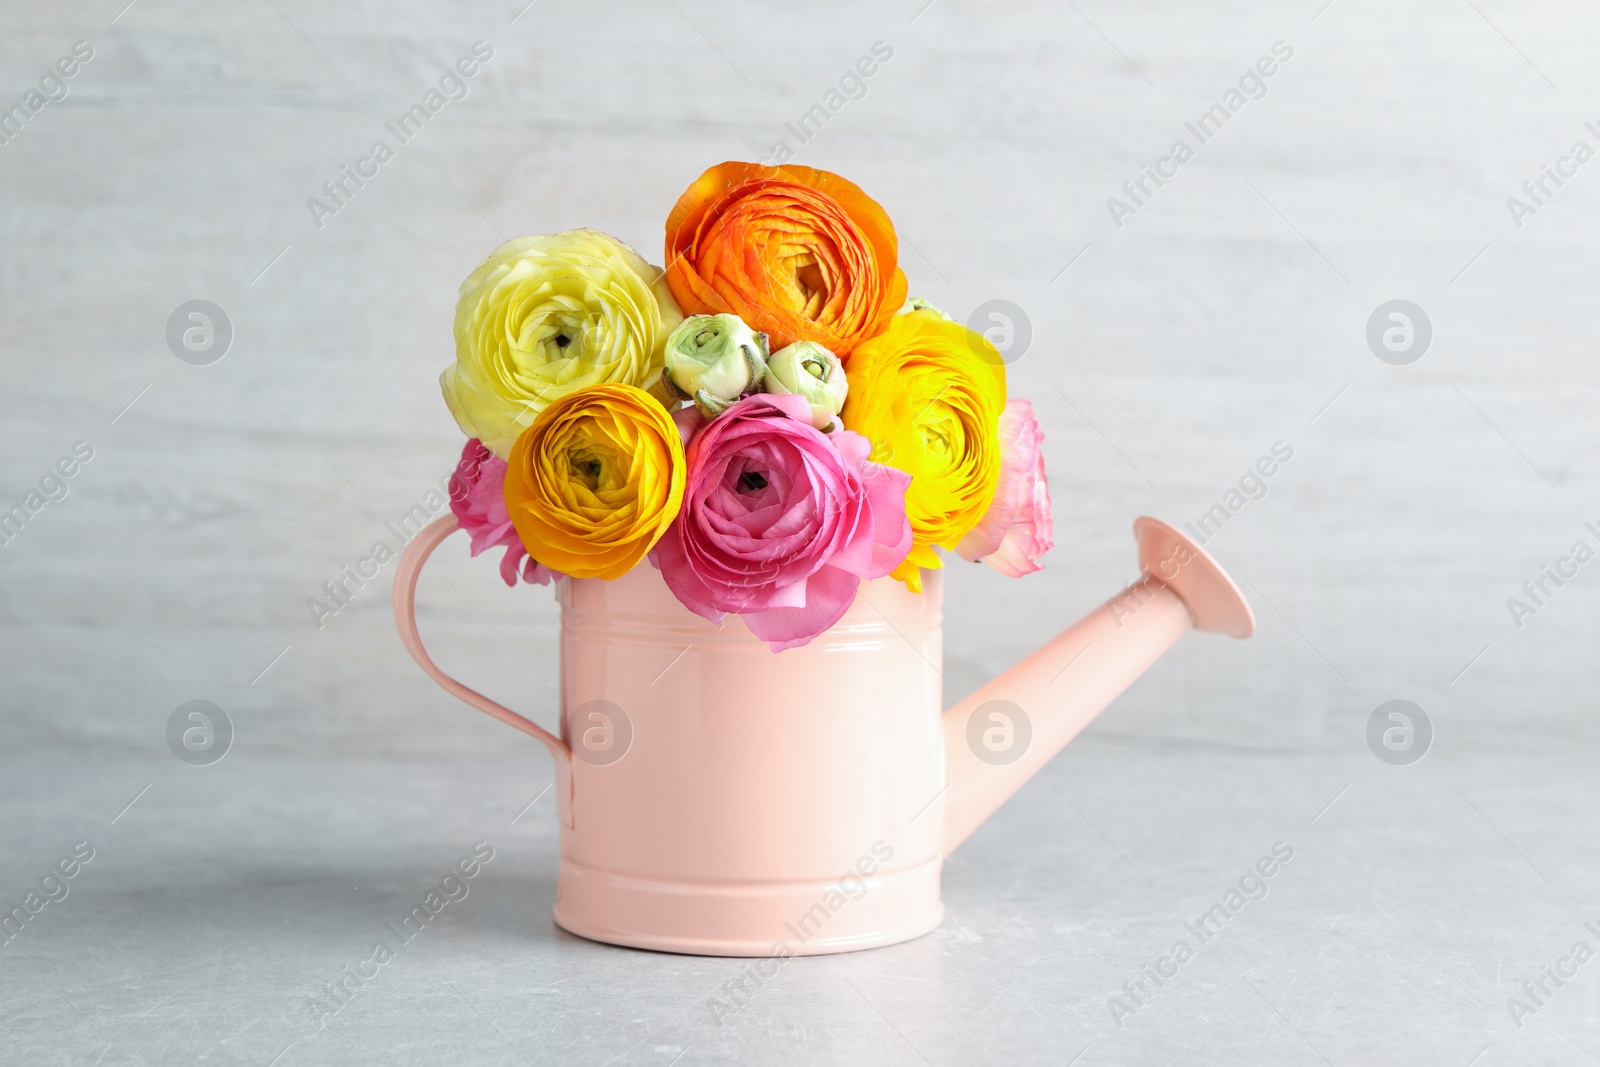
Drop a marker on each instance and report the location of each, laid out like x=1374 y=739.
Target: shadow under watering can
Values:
x=720 y=799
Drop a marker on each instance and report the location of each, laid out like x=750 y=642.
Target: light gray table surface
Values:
x=1228 y=313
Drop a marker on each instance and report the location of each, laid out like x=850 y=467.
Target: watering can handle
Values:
x=405 y=618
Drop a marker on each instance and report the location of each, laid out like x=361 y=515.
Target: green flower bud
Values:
x=714 y=360
x=916 y=303
x=808 y=370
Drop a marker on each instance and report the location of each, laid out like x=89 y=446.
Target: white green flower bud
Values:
x=714 y=360
x=916 y=303
x=808 y=370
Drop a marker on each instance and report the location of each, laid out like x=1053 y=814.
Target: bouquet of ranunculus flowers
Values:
x=769 y=420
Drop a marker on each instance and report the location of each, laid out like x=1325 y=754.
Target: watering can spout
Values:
x=999 y=736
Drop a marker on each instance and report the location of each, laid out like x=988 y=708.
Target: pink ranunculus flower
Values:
x=1016 y=530
x=477 y=496
x=780 y=521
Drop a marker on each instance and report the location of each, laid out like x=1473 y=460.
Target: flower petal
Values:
x=829 y=594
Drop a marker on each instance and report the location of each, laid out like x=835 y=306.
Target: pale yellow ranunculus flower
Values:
x=545 y=316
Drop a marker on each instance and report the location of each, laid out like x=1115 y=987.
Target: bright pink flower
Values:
x=1016 y=530
x=477 y=496
x=780 y=522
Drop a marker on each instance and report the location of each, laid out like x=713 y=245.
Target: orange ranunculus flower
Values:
x=595 y=480
x=798 y=254
x=928 y=394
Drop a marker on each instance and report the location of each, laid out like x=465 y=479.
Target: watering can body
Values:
x=720 y=799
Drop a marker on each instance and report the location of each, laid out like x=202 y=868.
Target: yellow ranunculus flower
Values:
x=545 y=316
x=928 y=394
x=596 y=480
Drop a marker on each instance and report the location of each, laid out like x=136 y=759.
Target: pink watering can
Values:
x=721 y=799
